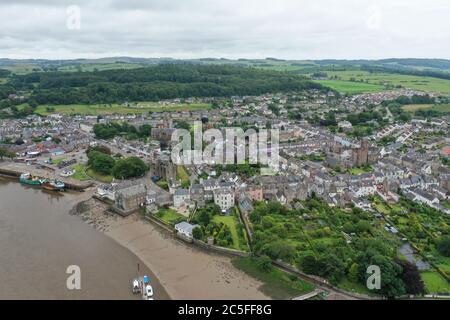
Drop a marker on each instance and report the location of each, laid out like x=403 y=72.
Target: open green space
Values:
x=183 y=176
x=99 y=177
x=227 y=230
x=439 y=107
x=359 y=171
x=57 y=161
x=351 y=87
x=80 y=172
x=102 y=109
x=22 y=68
x=435 y=283
x=239 y=241
x=170 y=216
x=394 y=80
x=88 y=67
x=276 y=283
x=83 y=173
x=351 y=286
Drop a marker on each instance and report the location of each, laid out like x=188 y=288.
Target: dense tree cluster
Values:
x=363 y=117
x=443 y=245
x=111 y=130
x=5 y=153
x=208 y=227
x=154 y=83
x=4 y=73
x=312 y=239
x=430 y=113
x=128 y=168
x=414 y=99
x=102 y=162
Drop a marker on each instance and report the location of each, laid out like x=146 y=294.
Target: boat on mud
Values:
x=28 y=179
x=53 y=185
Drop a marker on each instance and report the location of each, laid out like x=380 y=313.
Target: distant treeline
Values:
x=154 y=83
x=407 y=71
x=4 y=73
x=430 y=113
x=414 y=99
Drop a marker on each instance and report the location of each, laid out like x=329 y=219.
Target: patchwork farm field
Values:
x=22 y=68
x=103 y=109
x=351 y=87
x=406 y=81
x=414 y=107
x=88 y=67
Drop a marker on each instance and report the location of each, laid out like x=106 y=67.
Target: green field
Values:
x=102 y=109
x=22 y=68
x=80 y=173
x=99 y=177
x=276 y=283
x=406 y=81
x=89 y=67
x=414 y=107
x=435 y=283
x=351 y=87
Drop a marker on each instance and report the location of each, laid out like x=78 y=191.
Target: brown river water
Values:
x=39 y=240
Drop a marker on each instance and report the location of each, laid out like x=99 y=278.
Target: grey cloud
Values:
x=296 y=29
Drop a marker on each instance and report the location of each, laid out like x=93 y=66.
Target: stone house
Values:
x=181 y=198
x=130 y=199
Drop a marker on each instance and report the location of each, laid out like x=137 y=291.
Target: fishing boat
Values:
x=53 y=185
x=27 y=178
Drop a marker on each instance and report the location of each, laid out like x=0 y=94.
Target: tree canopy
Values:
x=131 y=167
x=164 y=81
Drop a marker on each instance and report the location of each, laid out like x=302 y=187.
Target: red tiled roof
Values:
x=446 y=151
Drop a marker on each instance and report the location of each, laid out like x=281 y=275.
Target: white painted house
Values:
x=224 y=199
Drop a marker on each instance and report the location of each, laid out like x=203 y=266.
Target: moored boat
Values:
x=53 y=185
x=27 y=178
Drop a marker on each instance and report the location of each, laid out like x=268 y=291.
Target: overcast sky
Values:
x=289 y=29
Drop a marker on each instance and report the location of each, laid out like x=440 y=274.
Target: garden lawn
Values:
x=435 y=283
x=276 y=283
x=359 y=171
x=170 y=216
x=231 y=223
x=182 y=174
x=350 y=286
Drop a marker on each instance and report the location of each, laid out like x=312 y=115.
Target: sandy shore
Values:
x=184 y=271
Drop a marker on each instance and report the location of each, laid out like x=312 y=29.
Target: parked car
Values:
x=136 y=287
x=148 y=294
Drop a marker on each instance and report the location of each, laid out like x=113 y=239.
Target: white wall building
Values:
x=224 y=199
